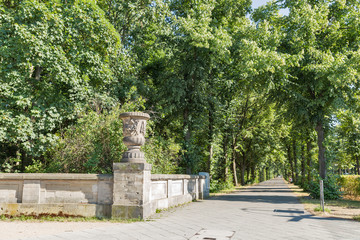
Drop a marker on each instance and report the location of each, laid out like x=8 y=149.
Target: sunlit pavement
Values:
x=266 y=211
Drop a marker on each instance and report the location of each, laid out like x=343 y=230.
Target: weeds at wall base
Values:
x=57 y=218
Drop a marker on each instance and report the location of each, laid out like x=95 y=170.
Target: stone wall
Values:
x=171 y=190
x=73 y=194
x=130 y=194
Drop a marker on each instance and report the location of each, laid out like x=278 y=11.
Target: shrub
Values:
x=163 y=154
x=217 y=185
x=331 y=188
x=350 y=185
x=89 y=146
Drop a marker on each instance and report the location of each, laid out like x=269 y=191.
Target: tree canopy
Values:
x=244 y=94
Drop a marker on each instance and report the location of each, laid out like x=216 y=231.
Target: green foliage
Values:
x=319 y=209
x=54 y=58
x=232 y=97
x=350 y=185
x=36 y=167
x=163 y=154
x=217 y=185
x=10 y=165
x=89 y=146
x=331 y=188
x=94 y=142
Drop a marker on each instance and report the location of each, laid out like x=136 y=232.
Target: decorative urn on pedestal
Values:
x=134 y=127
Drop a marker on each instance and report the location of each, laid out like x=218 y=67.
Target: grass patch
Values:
x=341 y=208
x=160 y=210
x=336 y=203
x=319 y=209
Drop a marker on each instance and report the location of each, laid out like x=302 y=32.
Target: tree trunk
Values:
x=211 y=134
x=357 y=165
x=235 y=174
x=242 y=168
x=247 y=174
x=320 y=141
x=253 y=176
x=37 y=73
x=290 y=161
x=225 y=160
x=234 y=165
x=295 y=161
x=303 y=165
x=187 y=138
x=309 y=162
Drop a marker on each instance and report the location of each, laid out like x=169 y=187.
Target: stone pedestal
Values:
x=131 y=194
x=132 y=176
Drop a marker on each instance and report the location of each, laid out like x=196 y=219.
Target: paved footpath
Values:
x=266 y=211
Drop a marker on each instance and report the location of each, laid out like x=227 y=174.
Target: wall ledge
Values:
x=159 y=177
x=54 y=176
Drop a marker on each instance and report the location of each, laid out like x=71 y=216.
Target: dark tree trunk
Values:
x=253 y=174
x=357 y=165
x=37 y=73
x=247 y=174
x=187 y=138
x=309 y=162
x=303 y=165
x=242 y=168
x=295 y=161
x=291 y=162
x=320 y=141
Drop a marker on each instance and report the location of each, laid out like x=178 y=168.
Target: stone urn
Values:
x=134 y=126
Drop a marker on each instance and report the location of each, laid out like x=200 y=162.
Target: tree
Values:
x=349 y=132
x=54 y=58
x=322 y=58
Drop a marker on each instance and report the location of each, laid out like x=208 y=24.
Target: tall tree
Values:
x=319 y=38
x=54 y=58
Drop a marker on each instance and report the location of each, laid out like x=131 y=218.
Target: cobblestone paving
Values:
x=266 y=211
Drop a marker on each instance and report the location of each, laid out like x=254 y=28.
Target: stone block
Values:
x=31 y=191
x=10 y=191
x=177 y=188
x=158 y=190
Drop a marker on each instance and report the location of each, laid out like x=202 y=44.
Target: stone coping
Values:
x=158 y=177
x=54 y=176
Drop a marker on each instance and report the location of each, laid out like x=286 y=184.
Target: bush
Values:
x=217 y=185
x=89 y=146
x=163 y=154
x=331 y=188
x=350 y=185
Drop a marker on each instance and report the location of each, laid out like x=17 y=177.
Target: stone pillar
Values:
x=132 y=176
x=206 y=187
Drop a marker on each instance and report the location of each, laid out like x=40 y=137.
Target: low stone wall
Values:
x=171 y=190
x=73 y=194
x=93 y=194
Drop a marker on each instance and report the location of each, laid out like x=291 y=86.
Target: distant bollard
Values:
x=134 y=127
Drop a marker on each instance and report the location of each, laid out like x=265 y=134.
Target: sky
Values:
x=258 y=3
